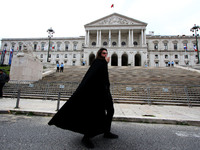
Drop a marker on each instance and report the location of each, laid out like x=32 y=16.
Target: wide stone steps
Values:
x=135 y=94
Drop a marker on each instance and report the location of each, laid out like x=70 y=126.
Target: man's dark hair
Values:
x=99 y=53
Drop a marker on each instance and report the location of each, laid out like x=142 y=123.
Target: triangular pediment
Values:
x=116 y=19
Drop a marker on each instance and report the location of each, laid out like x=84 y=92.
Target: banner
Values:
x=10 y=57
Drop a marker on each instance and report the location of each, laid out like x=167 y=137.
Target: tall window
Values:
x=65 y=55
x=20 y=47
x=75 y=46
x=165 y=46
x=157 y=64
x=185 y=46
x=41 y=56
x=166 y=56
x=74 y=56
x=66 y=47
x=176 y=56
x=42 y=47
x=175 y=46
x=57 y=56
x=155 y=46
x=156 y=56
x=58 y=45
x=35 y=47
x=186 y=56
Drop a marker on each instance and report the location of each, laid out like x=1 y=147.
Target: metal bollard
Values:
x=18 y=98
x=58 y=104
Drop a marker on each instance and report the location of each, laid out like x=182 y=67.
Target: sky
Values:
x=32 y=18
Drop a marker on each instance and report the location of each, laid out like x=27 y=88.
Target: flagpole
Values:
x=195 y=29
x=197 y=47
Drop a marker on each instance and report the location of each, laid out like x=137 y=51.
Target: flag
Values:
x=53 y=46
x=185 y=47
x=195 y=48
x=112 y=5
x=10 y=57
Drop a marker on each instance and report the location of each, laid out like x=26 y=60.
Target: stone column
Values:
x=88 y=40
x=97 y=43
x=141 y=37
x=132 y=37
x=129 y=38
x=145 y=36
x=85 y=37
x=119 y=39
x=119 y=60
x=100 y=38
x=109 y=38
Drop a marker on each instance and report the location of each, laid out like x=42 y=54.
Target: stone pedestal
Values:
x=25 y=67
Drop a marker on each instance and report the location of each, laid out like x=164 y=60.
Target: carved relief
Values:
x=114 y=20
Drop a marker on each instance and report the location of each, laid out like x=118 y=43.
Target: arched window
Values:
x=105 y=43
x=93 y=43
x=135 y=43
x=123 y=43
x=114 y=43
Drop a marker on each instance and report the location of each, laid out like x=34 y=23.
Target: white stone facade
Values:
x=124 y=37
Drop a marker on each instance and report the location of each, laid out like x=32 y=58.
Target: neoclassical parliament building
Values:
x=125 y=38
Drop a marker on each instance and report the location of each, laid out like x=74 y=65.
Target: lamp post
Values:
x=195 y=29
x=50 y=32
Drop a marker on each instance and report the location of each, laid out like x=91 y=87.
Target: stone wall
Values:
x=25 y=67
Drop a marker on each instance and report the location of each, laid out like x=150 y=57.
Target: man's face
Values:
x=104 y=53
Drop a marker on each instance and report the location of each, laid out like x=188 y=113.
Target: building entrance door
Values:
x=124 y=60
x=137 y=60
x=114 y=60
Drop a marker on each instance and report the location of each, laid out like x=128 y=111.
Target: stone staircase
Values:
x=136 y=75
x=136 y=85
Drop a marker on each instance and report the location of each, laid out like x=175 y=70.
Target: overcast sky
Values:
x=32 y=18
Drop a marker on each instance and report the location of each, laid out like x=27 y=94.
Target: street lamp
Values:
x=50 y=32
x=196 y=29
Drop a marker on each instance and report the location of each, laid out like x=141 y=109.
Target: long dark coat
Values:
x=84 y=112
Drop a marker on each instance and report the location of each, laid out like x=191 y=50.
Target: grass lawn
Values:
x=6 y=69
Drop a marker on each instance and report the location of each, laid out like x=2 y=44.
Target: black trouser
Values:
x=61 y=69
x=1 y=89
x=109 y=115
x=57 y=69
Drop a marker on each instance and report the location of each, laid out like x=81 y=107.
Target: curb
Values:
x=158 y=121
x=115 y=118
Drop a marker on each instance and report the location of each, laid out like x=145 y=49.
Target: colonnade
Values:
x=130 y=37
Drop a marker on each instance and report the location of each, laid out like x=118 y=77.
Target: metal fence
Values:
x=121 y=92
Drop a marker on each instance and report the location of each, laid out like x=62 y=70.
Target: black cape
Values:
x=85 y=110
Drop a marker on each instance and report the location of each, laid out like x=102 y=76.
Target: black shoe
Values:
x=87 y=142
x=110 y=135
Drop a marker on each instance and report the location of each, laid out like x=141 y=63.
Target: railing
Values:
x=122 y=93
